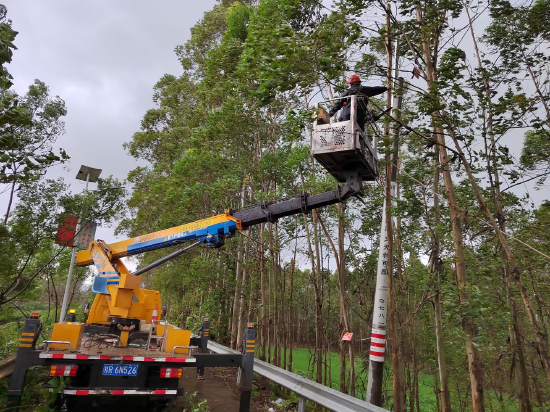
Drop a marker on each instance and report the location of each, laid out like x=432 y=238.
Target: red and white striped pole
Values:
x=378 y=345
x=379 y=317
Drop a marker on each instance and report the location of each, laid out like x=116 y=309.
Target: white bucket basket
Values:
x=330 y=137
x=342 y=147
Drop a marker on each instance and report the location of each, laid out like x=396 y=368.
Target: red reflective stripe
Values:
x=117 y=392
x=160 y=392
x=104 y=357
x=176 y=359
x=378 y=345
x=377 y=335
x=127 y=358
x=82 y=392
x=81 y=357
x=381 y=354
x=57 y=356
x=148 y=359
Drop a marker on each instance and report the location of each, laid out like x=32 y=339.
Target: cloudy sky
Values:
x=103 y=58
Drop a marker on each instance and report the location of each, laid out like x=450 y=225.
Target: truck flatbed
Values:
x=90 y=348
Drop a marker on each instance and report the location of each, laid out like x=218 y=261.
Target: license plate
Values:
x=120 y=370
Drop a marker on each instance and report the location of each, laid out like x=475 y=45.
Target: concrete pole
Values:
x=378 y=334
x=71 y=266
x=379 y=317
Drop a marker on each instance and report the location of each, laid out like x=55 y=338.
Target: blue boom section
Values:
x=100 y=284
x=225 y=229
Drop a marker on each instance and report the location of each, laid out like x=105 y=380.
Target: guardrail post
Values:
x=247 y=367
x=205 y=334
x=302 y=404
x=27 y=343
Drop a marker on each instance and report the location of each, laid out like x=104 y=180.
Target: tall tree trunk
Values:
x=522 y=382
x=435 y=267
x=241 y=323
x=318 y=304
x=541 y=337
x=343 y=303
x=269 y=297
x=263 y=298
x=344 y=323
x=474 y=360
x=238 y=279
x=275 y=294
x=475 y=364
x=291 y=297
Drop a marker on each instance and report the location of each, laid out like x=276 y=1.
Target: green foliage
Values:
x=7 y=36
x=536 y=152
x=27 y=137
x=238 y=17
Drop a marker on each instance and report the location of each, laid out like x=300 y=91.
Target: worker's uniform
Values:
x=362 y=111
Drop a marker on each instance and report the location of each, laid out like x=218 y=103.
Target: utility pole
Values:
x=88 y=174
x=385 y=266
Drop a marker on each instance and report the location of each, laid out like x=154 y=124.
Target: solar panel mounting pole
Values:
x=89 y=174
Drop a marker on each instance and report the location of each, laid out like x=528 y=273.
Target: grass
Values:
x=301 y=365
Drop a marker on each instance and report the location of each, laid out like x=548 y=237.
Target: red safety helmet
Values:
x=354 y=79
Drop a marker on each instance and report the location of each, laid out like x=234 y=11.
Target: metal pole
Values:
x=247 y=368
x=205 y=334
x=71 y=266
x=164 y=259
x=302 y=404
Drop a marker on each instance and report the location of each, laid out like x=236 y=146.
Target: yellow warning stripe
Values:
x=27 y=339
x=250 y=351
x=251 y=341
x=27 y=334
x=25 y=345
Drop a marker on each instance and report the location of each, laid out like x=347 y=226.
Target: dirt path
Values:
x=218 y=396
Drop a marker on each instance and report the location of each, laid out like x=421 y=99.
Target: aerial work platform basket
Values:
x=343 y=148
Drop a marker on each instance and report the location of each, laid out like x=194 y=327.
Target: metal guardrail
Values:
x=305 y=388
x=6 y=366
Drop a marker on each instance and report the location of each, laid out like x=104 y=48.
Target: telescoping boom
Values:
x=120 y=298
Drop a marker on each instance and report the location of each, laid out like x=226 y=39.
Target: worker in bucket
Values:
x=363 y=93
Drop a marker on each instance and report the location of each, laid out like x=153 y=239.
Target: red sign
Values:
x=66 y=231
x=347 y=336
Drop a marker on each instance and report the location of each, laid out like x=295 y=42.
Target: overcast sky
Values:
x=103 y=58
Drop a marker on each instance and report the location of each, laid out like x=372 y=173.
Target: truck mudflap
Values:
x=125 y=392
